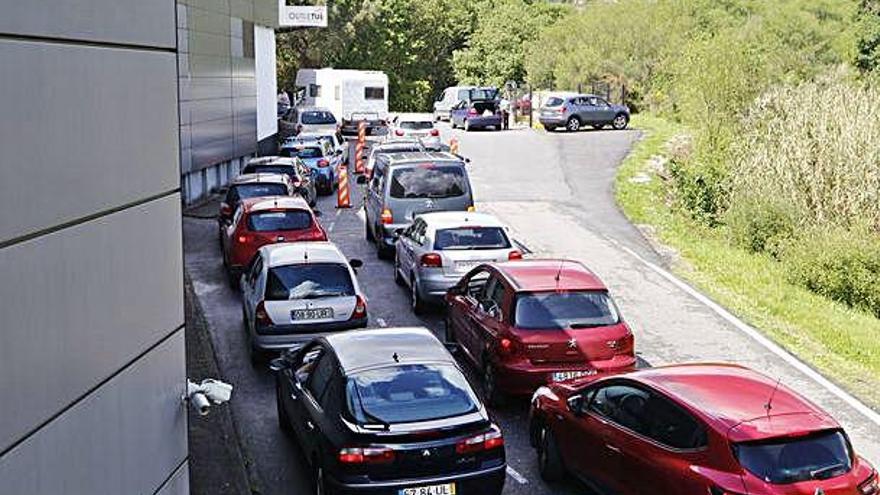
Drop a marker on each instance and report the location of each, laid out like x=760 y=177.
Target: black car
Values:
x=388 y=411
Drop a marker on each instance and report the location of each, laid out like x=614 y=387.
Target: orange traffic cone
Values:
x=359 y=148
x=343 y=195
x=453 y=146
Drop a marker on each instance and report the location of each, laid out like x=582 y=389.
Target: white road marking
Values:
x=330 y=227
x=338 y=211
x=362 y=215
x=750 y=331
x=516 y=476
x=381 y=321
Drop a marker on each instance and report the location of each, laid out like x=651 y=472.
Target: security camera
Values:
x=201 y=396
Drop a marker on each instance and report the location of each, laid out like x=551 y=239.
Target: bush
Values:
x=762 y=225
x=839 y=263
x=700 y=188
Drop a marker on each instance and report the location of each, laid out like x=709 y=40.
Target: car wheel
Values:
x=368 y=232
x=467 y=126
x=258 y=356
x=492 y=395
x=232 y=279
x=382 y=252
x=320 y=483
x=549 y=128
x=418 y=304
x=283 y=418
x=573 y=124
x=549 y=460
x=620 y=122
x=398 y=278
x=448 y=331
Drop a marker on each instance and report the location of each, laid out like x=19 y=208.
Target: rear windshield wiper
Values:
x=821 y=473
x=378 y=422
x=586 y=325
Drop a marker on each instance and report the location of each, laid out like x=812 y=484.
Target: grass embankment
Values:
x=837 y=340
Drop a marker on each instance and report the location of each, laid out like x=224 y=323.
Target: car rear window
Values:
x=318 y=118
x=409 y=393
x=554 y=102
x=428 y=181
x=244 y=191
x=308 y=281
x=565 y=310
x=308 y=152
x=416 y=125
x=270 y=221
x=471 y=238
x=789 y=460
x=269 y=169
x=483 y=94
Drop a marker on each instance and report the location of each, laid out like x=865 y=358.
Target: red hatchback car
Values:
x=703 y=429
x=527 y=323
x=265 y=220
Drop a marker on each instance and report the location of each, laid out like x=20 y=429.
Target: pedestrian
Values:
x=504 y=106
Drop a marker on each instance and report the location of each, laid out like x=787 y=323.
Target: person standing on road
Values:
x=504 y=106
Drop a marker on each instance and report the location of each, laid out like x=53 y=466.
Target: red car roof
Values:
x=540 y=275
x=733 y=400
x=273 y=202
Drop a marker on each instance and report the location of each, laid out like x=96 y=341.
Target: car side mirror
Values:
x=362 y=179
x=355 y=263
x=576 y=405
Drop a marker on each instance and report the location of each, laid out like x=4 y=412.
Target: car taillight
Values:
x=225 y=209
x=398 y=132
x=360 y=308
x=323 y=163
x=386 y=216
x=492 y=439
x=261 y=317
x=514 y=255
x=508 y=347
x=625 y=345
x=243 y=239
x=431 y=260
x=472 y=111
x=870 y=486
x=435 y=132
x=365 y=455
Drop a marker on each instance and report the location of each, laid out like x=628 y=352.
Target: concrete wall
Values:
x=91 y=302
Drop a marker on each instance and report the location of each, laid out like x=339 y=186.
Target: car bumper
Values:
x=557 y=121
x=433 y=287
x=387 y=233
x=484 y=482
x=523 y=378
x=373 y=126
x=286 y=336
x=494 y=120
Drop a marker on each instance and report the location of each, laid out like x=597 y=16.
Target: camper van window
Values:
x=318 y=117
x=374 y=93
x=314 y=90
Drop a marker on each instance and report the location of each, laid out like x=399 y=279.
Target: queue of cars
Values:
x=390 y=411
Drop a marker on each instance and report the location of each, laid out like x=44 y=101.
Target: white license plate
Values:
x=466 y=265
x=444 y=489
x=311 y=314
x=568 y=375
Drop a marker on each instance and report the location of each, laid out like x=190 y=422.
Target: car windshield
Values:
x=269 y=169
x=416 y=125
x=309 y=152
x=789 y=460
x=565 y=310
x=483 y=94
x=270 y=221
x=308 y=281
x=318 y=117
x=428 y=181
x=471 y=238
x=553 y=102
x=244 y=191
x=409 y=393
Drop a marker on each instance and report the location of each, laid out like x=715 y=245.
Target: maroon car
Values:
x=527 y=323
x=702 y=429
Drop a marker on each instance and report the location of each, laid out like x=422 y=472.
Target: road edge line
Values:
x=760 y=338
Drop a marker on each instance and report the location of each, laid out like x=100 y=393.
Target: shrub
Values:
x=762 y=225
x=701 y=188
x=842 y=264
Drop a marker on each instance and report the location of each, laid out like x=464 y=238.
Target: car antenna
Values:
x=395 y=357
x=769 y=405
x=559 y=273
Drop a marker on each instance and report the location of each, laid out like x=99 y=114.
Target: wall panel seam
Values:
x=89 y=43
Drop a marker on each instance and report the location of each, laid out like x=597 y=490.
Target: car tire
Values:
x=620 y=122
x=368 y=233
x=550 y=464
x=573 y=124
x=283 y=418
x=549 y=128
x=416 y=301
x=232 y=280
x=320 y=482
x=382 y=252
x=448 y=333
x=488 y=379
x=258 y=356
x=398 y=278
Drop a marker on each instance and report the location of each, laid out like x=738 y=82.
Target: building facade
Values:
x=106 y=108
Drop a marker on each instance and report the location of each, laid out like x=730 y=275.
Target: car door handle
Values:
x=293 y=396
x=612 y=448
x=310 y=426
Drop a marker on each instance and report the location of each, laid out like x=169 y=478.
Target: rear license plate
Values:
x=444 y=489
x=311 y=314
x=466 y=265
x=568 y=375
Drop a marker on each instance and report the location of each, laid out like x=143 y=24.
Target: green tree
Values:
x=867 y=56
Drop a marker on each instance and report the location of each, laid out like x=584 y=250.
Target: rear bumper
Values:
x=484 y=482
x=433 y=287
x=352 y=127
x=554 y=121
x=478 y=121
x=285 y=336
x=522 y=378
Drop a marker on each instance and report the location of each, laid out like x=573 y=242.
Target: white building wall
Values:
x=267 y=83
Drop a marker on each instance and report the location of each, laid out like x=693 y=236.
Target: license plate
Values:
x=311 y=314
x=466 y=265
x=568 y=375
x=444 y=489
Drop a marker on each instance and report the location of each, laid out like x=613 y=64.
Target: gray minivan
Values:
x=404 y=185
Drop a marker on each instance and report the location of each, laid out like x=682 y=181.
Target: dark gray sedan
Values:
x=575 y=111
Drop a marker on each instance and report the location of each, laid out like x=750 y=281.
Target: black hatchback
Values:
x=388 y=411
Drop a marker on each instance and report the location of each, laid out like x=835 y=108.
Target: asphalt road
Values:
x=555 y=191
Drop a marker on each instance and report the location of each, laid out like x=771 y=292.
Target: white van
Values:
x=448 y=99
x=351 y=95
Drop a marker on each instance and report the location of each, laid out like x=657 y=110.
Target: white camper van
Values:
x=352 y=95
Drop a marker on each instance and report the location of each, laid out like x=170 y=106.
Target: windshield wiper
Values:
x=380 y=423
x=586 y=325
x=818 y=474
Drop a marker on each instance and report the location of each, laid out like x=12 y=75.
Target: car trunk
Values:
x=569 y=346
x=485 y=108
x=310 y=311
x=458 y=262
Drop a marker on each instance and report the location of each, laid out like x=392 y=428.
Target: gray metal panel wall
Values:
x=130 y=22
x=86 y=128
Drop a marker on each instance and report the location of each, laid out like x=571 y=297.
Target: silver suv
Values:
x=575 y=111
x=405 y=185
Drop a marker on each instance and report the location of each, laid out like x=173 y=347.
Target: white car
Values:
x=416 y=126
x=439 y=248
x=292 y=292
x=334 y=138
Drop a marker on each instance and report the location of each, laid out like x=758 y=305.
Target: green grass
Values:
x=840 y=342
